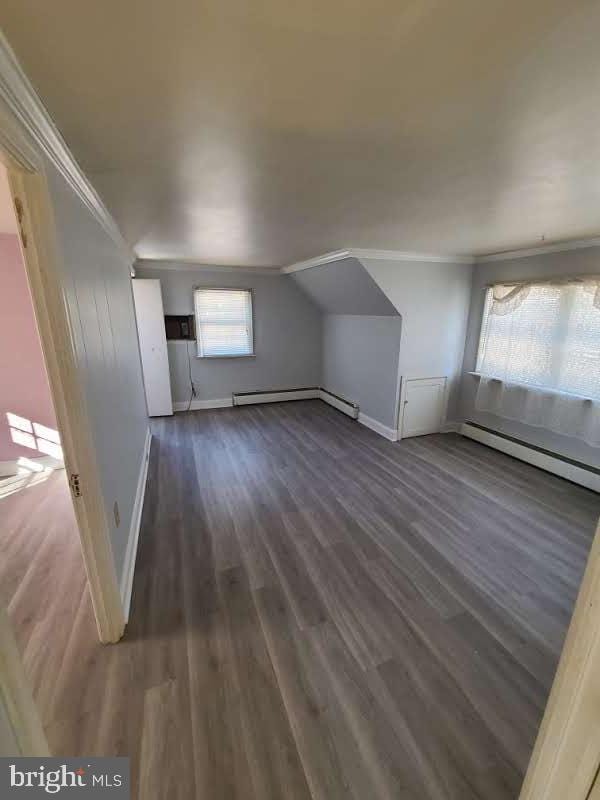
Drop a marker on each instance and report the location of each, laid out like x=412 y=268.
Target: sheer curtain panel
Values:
x=539 y=355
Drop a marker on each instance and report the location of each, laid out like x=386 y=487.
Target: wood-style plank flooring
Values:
x=317 y=613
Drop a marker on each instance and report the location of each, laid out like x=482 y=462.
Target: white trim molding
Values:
x=247 y=399
x=388 y=433
x=345 y=406
x=554 y=464
x=373 y=254
x=21 y=98
x=134 y=529
x=557 y=247
x=21 y=729
x=401 y=255
x=280 y=396
x=380 y=255
x=564 y=762
x=189 y=265
x=42 y=264
x=275 y=397
x=202 y=405
x=318 y=261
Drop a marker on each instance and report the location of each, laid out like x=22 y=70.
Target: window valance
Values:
x=507 y=297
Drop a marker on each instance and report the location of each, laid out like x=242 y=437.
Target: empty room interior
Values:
x=300 y=397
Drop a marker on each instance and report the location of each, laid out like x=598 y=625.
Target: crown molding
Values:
x=318 y=261
x=23 y=102
x=381 y=255
x=185 y=265
x=401 y=255
x=557 y=247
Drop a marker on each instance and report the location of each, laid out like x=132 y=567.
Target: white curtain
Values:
x=559 y=412
x=539 y=356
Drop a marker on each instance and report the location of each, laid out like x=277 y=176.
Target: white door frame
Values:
x=566 y=757
x=28 y=184
x=21 y=730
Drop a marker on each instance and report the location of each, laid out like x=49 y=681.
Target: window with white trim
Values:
x=224 y=322
x=545 y=334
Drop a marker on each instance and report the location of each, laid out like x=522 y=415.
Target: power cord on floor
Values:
x=192 y=387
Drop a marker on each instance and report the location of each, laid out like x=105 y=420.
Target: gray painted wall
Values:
x=344 y=287
x=433 y=300
x=361 y=336
x=573 y=262
x=360 y=362
x=287 y=335
x=97 y=288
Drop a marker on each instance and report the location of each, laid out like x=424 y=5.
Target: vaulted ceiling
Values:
x=265 y=132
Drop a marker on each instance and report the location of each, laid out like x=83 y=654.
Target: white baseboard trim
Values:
x=200 y=405
x=347 y=408
x=451 y=427
x=544 y=461
x=275 y=397
x=134 y=529
x=246 y=400
x=297 y=394
x=374 y=425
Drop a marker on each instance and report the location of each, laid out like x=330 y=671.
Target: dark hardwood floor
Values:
x=320 y=613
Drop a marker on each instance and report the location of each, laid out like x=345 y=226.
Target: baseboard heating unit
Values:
x=575 y=471
x=281 y=395
x=274 y=396
x=346 y=406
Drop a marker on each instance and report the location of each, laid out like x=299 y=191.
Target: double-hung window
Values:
x=224 y=322
x=545 y=335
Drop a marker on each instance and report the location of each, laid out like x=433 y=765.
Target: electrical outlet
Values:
x=116 y=513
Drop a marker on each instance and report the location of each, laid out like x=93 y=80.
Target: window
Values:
x=224 y=322
x=546 y=335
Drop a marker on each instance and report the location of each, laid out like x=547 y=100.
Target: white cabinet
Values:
x=423 y=405
x=153 y=345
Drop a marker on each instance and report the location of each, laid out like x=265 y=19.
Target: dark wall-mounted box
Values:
x=180 y=326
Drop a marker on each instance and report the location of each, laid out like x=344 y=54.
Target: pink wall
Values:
x=24 y=389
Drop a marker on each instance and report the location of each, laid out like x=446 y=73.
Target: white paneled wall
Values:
x=98 y=292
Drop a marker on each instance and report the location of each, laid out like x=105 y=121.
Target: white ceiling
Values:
x=8 y=221
x=267 y=132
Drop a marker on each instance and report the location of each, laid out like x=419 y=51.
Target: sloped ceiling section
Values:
x=344 y=287
x=433 y=300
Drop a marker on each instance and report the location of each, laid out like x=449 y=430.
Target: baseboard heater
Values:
x=572 y=470
x=281 y=395
x=274 y=396
x=346 y=406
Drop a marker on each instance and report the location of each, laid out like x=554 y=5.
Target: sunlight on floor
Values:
x=34 y=435
x=31 y=471
x=29 y=474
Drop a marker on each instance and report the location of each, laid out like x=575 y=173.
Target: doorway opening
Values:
x=42 y=570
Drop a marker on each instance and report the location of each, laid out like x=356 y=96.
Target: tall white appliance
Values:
x=150 y=317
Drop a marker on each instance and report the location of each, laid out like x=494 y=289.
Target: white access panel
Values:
x=153 y=345
x=423 y=405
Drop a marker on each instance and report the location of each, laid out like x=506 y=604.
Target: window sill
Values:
x=212 y=358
